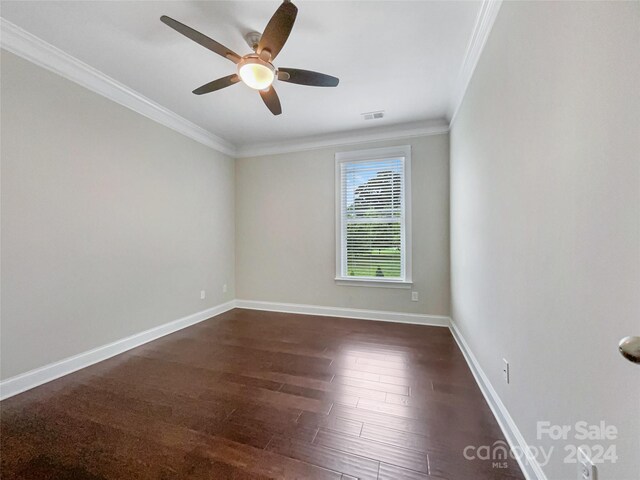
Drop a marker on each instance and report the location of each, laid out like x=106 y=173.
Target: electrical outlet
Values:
x=224 y=288
x=414 y=296
x=203 y=294
x=505 y=370
x=586 y=468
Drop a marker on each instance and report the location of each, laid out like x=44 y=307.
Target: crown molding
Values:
x=26 y=45
x=484 y=23
x=353 y=137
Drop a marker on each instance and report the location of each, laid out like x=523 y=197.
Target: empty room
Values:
x=320 y=240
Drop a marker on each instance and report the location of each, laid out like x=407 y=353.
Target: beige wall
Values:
x=285 y=220
x=111 y=223
x=545 y=219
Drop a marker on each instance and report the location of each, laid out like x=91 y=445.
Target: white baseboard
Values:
x=31 y=379
x=378 y=315
x=529 y=466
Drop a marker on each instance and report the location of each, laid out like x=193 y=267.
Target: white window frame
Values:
x=403 y=151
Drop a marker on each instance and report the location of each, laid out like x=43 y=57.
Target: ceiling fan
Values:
x=255 y=69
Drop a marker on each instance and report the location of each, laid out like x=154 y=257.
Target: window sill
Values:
x=368 y=282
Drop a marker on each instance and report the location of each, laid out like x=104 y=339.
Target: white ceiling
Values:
x=401 y=57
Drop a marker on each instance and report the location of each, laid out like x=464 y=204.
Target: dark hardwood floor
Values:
x=260 y=395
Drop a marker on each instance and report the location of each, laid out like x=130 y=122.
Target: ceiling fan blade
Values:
x=201 y=39
x=277 y=31
x=306 y=77
x=271 y=100
x=217 y=84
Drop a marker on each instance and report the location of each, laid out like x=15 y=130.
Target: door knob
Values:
x=630 y=348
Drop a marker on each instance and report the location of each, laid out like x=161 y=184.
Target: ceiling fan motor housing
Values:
x=253 y=39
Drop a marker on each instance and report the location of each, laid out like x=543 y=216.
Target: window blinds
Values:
x=372 y=218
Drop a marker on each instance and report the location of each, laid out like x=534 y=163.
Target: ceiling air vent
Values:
x=373 y=115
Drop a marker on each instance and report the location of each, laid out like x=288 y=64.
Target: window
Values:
x=373 y=236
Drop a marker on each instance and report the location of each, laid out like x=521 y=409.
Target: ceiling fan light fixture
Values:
x=256 y=70
x=256 y=73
